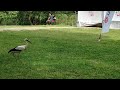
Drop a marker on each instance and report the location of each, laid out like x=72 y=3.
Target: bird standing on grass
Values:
x=99 y=39
x=20 y=48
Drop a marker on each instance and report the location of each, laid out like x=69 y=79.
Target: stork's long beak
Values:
x=28 y=41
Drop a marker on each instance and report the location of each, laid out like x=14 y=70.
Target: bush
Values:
x=35 y=17
x=71 y=20
x=8 y=18
x=65 y=19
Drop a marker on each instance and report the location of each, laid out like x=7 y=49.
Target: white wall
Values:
x=88 y=18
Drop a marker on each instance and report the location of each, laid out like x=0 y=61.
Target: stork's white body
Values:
x=21 y=47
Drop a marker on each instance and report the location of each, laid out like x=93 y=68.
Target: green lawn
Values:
x=61 y=54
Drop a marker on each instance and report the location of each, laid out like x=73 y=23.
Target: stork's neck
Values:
x=26 y=43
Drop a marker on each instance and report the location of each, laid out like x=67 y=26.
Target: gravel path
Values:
x=18 y=28
x=29 y=28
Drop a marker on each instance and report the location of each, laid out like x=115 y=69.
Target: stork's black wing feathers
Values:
x=13 y=49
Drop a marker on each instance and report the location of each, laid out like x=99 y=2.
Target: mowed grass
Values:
x=61 y=54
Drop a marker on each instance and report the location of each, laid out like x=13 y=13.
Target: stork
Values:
x=20 y=48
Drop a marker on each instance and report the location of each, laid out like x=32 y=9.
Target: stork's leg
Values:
x=13 y=54
x=18 y=54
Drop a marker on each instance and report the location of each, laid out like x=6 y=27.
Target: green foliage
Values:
x=61 y=18
x=72 y=20
x=23 y=18
x=35 y=17
x=8 y=17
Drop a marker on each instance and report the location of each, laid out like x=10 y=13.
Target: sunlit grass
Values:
x=61 y=54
